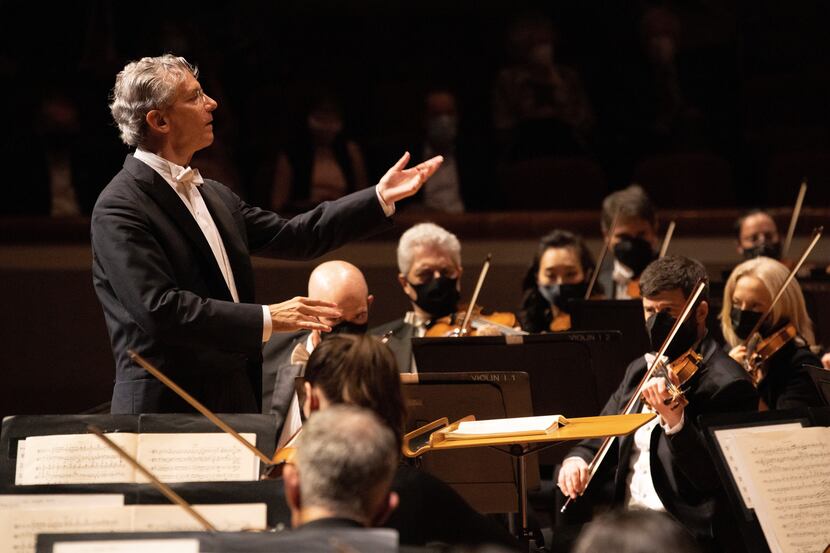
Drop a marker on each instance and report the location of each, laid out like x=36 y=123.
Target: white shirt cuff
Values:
x=267 y=327
x=676 y=428
x=388 y=210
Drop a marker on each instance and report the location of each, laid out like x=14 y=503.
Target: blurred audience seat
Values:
x=686 y=180
x=552 y=183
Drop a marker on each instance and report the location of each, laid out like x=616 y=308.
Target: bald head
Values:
x=342 y=283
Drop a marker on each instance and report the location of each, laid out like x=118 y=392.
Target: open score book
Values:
x=496 y=428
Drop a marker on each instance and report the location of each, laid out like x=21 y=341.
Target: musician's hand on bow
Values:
x=301 y=313
x=825 y=361
x=399 y=183
x=656 y=394
x=738 y=353
x=573 y=477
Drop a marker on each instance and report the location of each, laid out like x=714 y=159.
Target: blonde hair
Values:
x=790 y=307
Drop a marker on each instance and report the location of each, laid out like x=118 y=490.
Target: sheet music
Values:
x=35 y=501
x=232 y=517
x=19 y=527
x=516 y=426
x=73 y=459
x=199 y=457
x=172 y=545
x=790 y=486
x=726 y=439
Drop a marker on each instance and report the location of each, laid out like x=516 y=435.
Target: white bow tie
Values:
x=189 y=177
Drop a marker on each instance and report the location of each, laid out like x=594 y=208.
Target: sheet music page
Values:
x=172 y=545
x=516 y=426
x=790 y=483
x=201 y=457
x=74 y=459
x=46 y=500
x=232 y=517
x=726 y=439
x=19 y=527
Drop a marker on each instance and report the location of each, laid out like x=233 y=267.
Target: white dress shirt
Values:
x=621 y=276
x=185 y=182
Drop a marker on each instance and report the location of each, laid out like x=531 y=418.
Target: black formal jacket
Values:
x=683 y=473
x=400 y=341
x=279 y=374
x=787 y=384
x=164 y=296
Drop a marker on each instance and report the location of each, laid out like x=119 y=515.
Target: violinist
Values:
x=664 y=466
x=429 y=261
x=361 y=371
x=559 y=273
x=633 y=241
x=747 y=296
x=757 y=235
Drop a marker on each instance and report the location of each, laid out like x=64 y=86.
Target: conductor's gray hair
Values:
x=142 y=86
x=427 y=235
x=345 y=458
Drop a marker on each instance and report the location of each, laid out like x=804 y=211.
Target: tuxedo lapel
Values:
x=163 y=194
x=237 y=252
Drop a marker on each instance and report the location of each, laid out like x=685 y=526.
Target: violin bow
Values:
x=197 y=405
x=799 y=201
x=635 y=397
x=664 y=247
x=481 y=276
x=159 y=485
x=813 y=241
x=605 y=247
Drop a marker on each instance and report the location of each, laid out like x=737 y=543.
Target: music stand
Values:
x=571 y=373
x=485 y=479
x=750 y=529
x=625 y=316
x=821 y=378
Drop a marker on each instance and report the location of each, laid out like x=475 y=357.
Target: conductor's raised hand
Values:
x=399 y=183
x=301 y=313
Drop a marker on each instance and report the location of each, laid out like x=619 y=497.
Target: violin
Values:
x=465 y=323
x=452 y=324
x=560 y=322
x=759 y=350
x=684 y=367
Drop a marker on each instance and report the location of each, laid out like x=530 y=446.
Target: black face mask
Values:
x=346 y=327
x=767 y=249
x=634 y=253
x=561 y=294
x=438 y=297
x=744 y=321
x=659 y=327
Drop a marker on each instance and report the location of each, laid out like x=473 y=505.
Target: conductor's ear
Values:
x=156 y=121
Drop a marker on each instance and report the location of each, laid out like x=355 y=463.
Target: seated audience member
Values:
x=633 y=244
x=757 y=235
x=782 y=379
x=635 y=531
x=429 y=261
x=540 y=106
x=341 y=473
x=360 y=370
x=321 y=164
x=664 y=465
x=285 y=355
x=561 y=271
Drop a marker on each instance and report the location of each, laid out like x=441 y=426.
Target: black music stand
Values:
x=571 y=373
x=16 y=428
x=750 y=529
x=821 y=378
x=486 y=479
x=626 y=316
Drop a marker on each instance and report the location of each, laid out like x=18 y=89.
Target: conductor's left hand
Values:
x=399 y=183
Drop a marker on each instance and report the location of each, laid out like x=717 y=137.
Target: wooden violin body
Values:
x=759 y=350
x=451 y=325
x=684 y=367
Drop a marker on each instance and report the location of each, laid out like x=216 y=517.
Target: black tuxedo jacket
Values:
x=682 y=472
x=400 y=341
x=278 y=374
x=164 y=296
